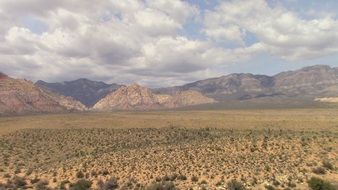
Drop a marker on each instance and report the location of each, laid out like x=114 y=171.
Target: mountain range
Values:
x=310 y=83
x=22 y=96
x=86 y=91
x=136 y=97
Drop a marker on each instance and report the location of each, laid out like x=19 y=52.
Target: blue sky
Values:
x=164 y=42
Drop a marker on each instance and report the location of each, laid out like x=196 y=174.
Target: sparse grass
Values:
x=169 y=150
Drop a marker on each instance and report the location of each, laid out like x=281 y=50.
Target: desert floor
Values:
x=259 y=149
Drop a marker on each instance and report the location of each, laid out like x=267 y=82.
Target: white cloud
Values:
x=282 y=32
x=132 y=40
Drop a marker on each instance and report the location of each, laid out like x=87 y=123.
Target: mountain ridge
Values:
x=84 y=90
x=136 y=97
x=18 y=96
x=308 y=82
x=313 y=81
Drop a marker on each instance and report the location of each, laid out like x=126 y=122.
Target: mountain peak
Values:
x=137 y=97
x=135 y=85
x=315 y=67
x=129 y=97
x=22 y=96
x=84 y=90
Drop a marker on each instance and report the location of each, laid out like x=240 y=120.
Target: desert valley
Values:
x=93 y=135
x=168 y=95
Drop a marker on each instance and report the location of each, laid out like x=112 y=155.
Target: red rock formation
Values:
x=136 y=97
x=22 y=96
x=133 y=97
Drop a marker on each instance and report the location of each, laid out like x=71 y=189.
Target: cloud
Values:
x=282 y=32
x=132 y=40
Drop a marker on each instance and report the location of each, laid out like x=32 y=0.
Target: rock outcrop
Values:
x=86 y=91
x=136 y=97
x=19 y=96
x=133 y=97
x=184 y=98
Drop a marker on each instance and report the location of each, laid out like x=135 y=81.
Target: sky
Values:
x=161 y=43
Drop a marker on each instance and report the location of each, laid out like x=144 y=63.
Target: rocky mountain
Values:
x=86 y=91
x=183 y=98
x=304 y=85
x=133 y=97
x=136 y=97
x=319 y=80
x=22 y=96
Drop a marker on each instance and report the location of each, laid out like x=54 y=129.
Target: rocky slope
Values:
x=133 y=97
x=183 y=98
x=136 y=97
x=86 y=91
x=22 y=96
x=319 y=80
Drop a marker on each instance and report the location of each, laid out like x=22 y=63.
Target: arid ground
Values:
x=252 y=149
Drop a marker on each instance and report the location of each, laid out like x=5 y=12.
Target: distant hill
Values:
x=86 y=91
x=301 y=86
x=19 y=96
x=308 y=82
x=136 y=97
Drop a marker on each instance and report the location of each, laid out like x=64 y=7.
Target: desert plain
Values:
x=206 y=149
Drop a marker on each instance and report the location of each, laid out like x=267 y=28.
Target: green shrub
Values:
x=235 y=185
x=269 y=187
x=319 y=170
x=79 y=174
x=167 y=185
x=41 y=185
x=328 y=165
x=319 y=184
x=110 y=184
x=19 y=181
x=81 y=185
x=194 y=179
x=182 y=177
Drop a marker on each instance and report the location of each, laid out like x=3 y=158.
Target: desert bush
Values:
x=269 y=187
x=173 y=177
x=182 y=177
x=194 y=179
x=319 y=170
x=110 y=184
x=235 y=185
x=165 y=178
x=319 y=184
x=81 y=185
x=167 y=185
x=35 y=180
x=63 y=184
x=19 y=181
x=105 y=172
x=79 y=174
x=328 y=165
x=275 y=183
x=41 y=185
